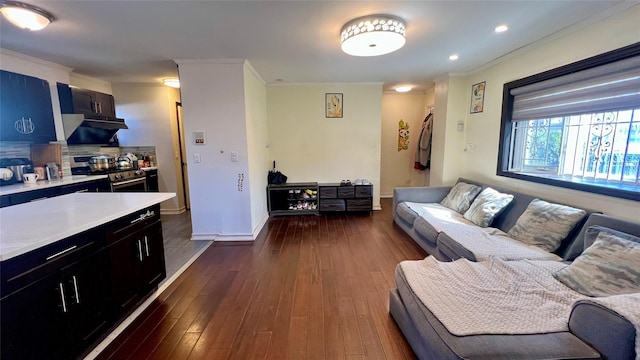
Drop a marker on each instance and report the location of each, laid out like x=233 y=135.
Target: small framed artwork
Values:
x=333 y=105
x=477 y=97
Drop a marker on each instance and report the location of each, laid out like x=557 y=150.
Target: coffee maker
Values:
x=18 y=167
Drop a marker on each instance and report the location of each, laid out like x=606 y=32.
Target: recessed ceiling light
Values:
x=174 y=83
x=403 y=89
x=453 y=57
x=501 y=28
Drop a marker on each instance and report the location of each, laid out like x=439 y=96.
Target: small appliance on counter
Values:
x=18 y=167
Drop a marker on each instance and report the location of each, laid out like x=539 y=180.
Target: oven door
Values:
x=134 y=185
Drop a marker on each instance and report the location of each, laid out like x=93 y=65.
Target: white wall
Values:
x=309 y=147
x=483 y=129
x=257 y=146
x=213 y=101
x=396 y=166
x=149 y=111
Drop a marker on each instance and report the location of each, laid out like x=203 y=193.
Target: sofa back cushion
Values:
x=545 y=224
x=581 y=242
x=461 y=196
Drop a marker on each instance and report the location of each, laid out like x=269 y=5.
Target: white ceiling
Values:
x=291 y=41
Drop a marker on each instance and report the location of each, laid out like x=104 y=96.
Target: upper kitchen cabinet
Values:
x=25 y=109
x=86 y=102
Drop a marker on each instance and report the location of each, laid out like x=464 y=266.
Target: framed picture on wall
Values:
x=333 y=105
x=477 y=97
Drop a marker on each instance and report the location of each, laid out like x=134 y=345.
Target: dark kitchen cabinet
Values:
x=88 y=102
x=100 y=185
x=152 y=180
x=26 y=113
x=137 y=258
x=54 y=303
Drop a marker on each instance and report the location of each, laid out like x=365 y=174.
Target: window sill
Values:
x=621 y=190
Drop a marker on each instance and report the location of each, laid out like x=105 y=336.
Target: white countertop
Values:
x=43 y=184
x=29 y=226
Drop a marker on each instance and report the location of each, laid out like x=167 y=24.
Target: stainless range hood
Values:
x=80 y=129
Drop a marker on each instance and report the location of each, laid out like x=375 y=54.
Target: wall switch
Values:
x=234 y=156
x=196 y=157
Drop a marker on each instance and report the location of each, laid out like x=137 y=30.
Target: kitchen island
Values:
x=72 y=267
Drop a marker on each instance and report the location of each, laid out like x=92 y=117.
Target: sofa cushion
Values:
x=608 y=267
x=592 y=232
x=423 y=228
x=460 y=197
x=487 y=206
x=405 y=213
x=488 y=243
x=407 y=309
x=545 y=224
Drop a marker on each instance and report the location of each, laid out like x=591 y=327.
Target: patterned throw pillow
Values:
x=487 y=206
x=460 y=197
x=608 y=267
x=545 y=225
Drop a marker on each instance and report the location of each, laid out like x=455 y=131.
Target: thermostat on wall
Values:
x=198 y=137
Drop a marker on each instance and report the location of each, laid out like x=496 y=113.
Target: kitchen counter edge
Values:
x=44 y=184
x=78 y=212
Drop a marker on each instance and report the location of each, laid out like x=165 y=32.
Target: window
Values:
x=577 y=126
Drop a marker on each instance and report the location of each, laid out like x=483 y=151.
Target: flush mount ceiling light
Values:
x=373 y=35
x=453 y=57
x=26 y=16
x=174 y=83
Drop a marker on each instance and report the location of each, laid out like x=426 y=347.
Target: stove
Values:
x=130 y=180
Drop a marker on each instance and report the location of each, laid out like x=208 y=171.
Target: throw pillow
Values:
x=545 y=225
x=460 y=197
x=487 y=206
x=608 y=267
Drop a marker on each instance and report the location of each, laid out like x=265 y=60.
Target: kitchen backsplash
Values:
x=14 y=149
x=78 y=150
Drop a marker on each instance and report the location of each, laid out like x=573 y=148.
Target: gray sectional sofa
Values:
x=594 y=331
x=442 y=245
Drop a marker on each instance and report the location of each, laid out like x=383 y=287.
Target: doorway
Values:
x=182 y=152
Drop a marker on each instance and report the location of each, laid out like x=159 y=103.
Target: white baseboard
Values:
x=386 y=196
x=172 y=211
x=234 y=237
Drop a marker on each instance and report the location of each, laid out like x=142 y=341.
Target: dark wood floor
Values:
x=310 y=287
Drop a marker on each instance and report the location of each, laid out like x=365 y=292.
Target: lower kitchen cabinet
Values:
x=101 y=185
x=137 y=259
x=59 y=300
x=56 y=305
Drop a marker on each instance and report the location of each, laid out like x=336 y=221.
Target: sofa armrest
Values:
x=610 y=334
x=419 y=194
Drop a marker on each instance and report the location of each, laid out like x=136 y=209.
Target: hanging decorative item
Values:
x=477 y=97
x=403 y=135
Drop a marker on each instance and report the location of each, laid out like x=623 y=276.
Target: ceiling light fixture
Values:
x=373 y=35
x=174 y=83
x=403 y=89
x=453 y=57
x=501 y=28
x=26 y=16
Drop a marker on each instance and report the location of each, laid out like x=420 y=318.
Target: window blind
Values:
x=614 y=86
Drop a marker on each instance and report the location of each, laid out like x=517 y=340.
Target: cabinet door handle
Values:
x=75 y=287
x=139 y=249
x=146 y=245
x=61 y=252
x=64 y=303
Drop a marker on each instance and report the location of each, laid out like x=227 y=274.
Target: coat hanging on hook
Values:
x=423 y=151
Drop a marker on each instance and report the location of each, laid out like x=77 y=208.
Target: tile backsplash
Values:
x=14 y=149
